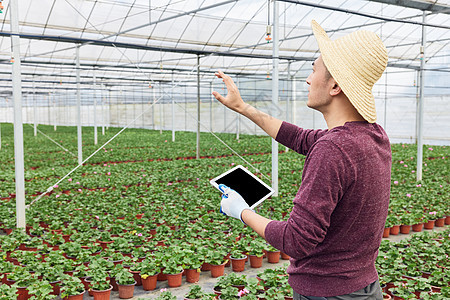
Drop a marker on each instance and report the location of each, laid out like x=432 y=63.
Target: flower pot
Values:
x=436 y=289
x=56 y=285
x=115 y=286
x=22 y=293
x=273 y=257
x=255 y=261
x=284 y=256
x=149 y=283
x=217 y=270
x=126 y=291
x=288 y=298
x=102 y=295
x=429 y=224
x=238 y=264
x=104 y=244
x=386 y=232
x=394 y=230
x=206 y=267
x=447 y=220
x=417 y=227
x=387 y=297
x=405 y=229
x=174 y=280
x=75 y=297
x=440 y=222
x=85 y=283
x=192 y=275
x=162 y=276
x=137 y=277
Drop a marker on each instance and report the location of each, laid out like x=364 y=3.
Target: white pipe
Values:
x=54 y=108
x=173 y=110
x=103 y=112
x=80 y=145
x=198 y=107
x=35 y=108
x=18 y=126
x=95 y=108
x=421 y=99
x=276 y=40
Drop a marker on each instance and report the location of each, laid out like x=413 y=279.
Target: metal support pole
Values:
x=18 y=127
x=276 y=38
x=294 y=100
x=35 y=108
x=103 y=112
x=95 y=108
x=153 y=107
x=421 y=99
x=80 y=145
x=173 y=110
x=238 y=119
x=210 y=107
x=54 y=108
x=198 y=107
x=161 y=92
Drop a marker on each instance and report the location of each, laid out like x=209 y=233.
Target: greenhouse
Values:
x=230 y=149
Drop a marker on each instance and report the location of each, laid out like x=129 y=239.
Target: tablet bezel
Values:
x=272 y=191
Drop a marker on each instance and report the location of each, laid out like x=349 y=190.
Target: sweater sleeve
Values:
x=324 y=177
x=298 y=139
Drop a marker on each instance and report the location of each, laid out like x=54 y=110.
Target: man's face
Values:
x=320 y=82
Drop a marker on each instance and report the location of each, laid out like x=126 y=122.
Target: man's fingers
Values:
x=218 y=96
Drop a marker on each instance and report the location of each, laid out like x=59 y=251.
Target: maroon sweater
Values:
x=336 y=225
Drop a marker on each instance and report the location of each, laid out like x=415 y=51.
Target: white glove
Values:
x=232 y=203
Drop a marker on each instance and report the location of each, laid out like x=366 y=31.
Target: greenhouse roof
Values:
x=153 y=40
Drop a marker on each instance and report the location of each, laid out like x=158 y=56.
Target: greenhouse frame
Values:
x=102 y=68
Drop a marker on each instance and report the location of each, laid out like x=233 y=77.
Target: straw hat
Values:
x=356 y=61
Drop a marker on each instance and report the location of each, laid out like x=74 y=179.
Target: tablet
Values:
x=251 y=188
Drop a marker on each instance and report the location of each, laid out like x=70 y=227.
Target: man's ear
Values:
x=336 y=89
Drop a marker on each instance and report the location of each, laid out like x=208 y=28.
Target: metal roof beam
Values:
x=418 y=4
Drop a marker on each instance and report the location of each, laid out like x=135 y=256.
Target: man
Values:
x=336 y=225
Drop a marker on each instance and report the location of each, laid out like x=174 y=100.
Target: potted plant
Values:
x=149 y=274
x=41 y=290
x=191 y=263
x=217 y=261
x=126 y=283
x=72 y=288
x=274 y=294
x=230 y=293
x=238 y=261
x=174 y=273
x=99 y=283
x=8 y=292
x=195 y=293
x=166 y=295
x=273 y=254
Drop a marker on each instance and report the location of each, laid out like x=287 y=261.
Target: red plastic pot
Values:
x=149 y=283
x=192 y=275
x=126 y=291
x=217 y=270
x=174 y=280
x=273 y=257
x=238 y=264
x=255 y=261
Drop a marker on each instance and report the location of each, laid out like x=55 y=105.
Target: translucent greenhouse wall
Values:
x=400 y=122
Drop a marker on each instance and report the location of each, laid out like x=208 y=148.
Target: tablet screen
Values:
x=251 y=188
